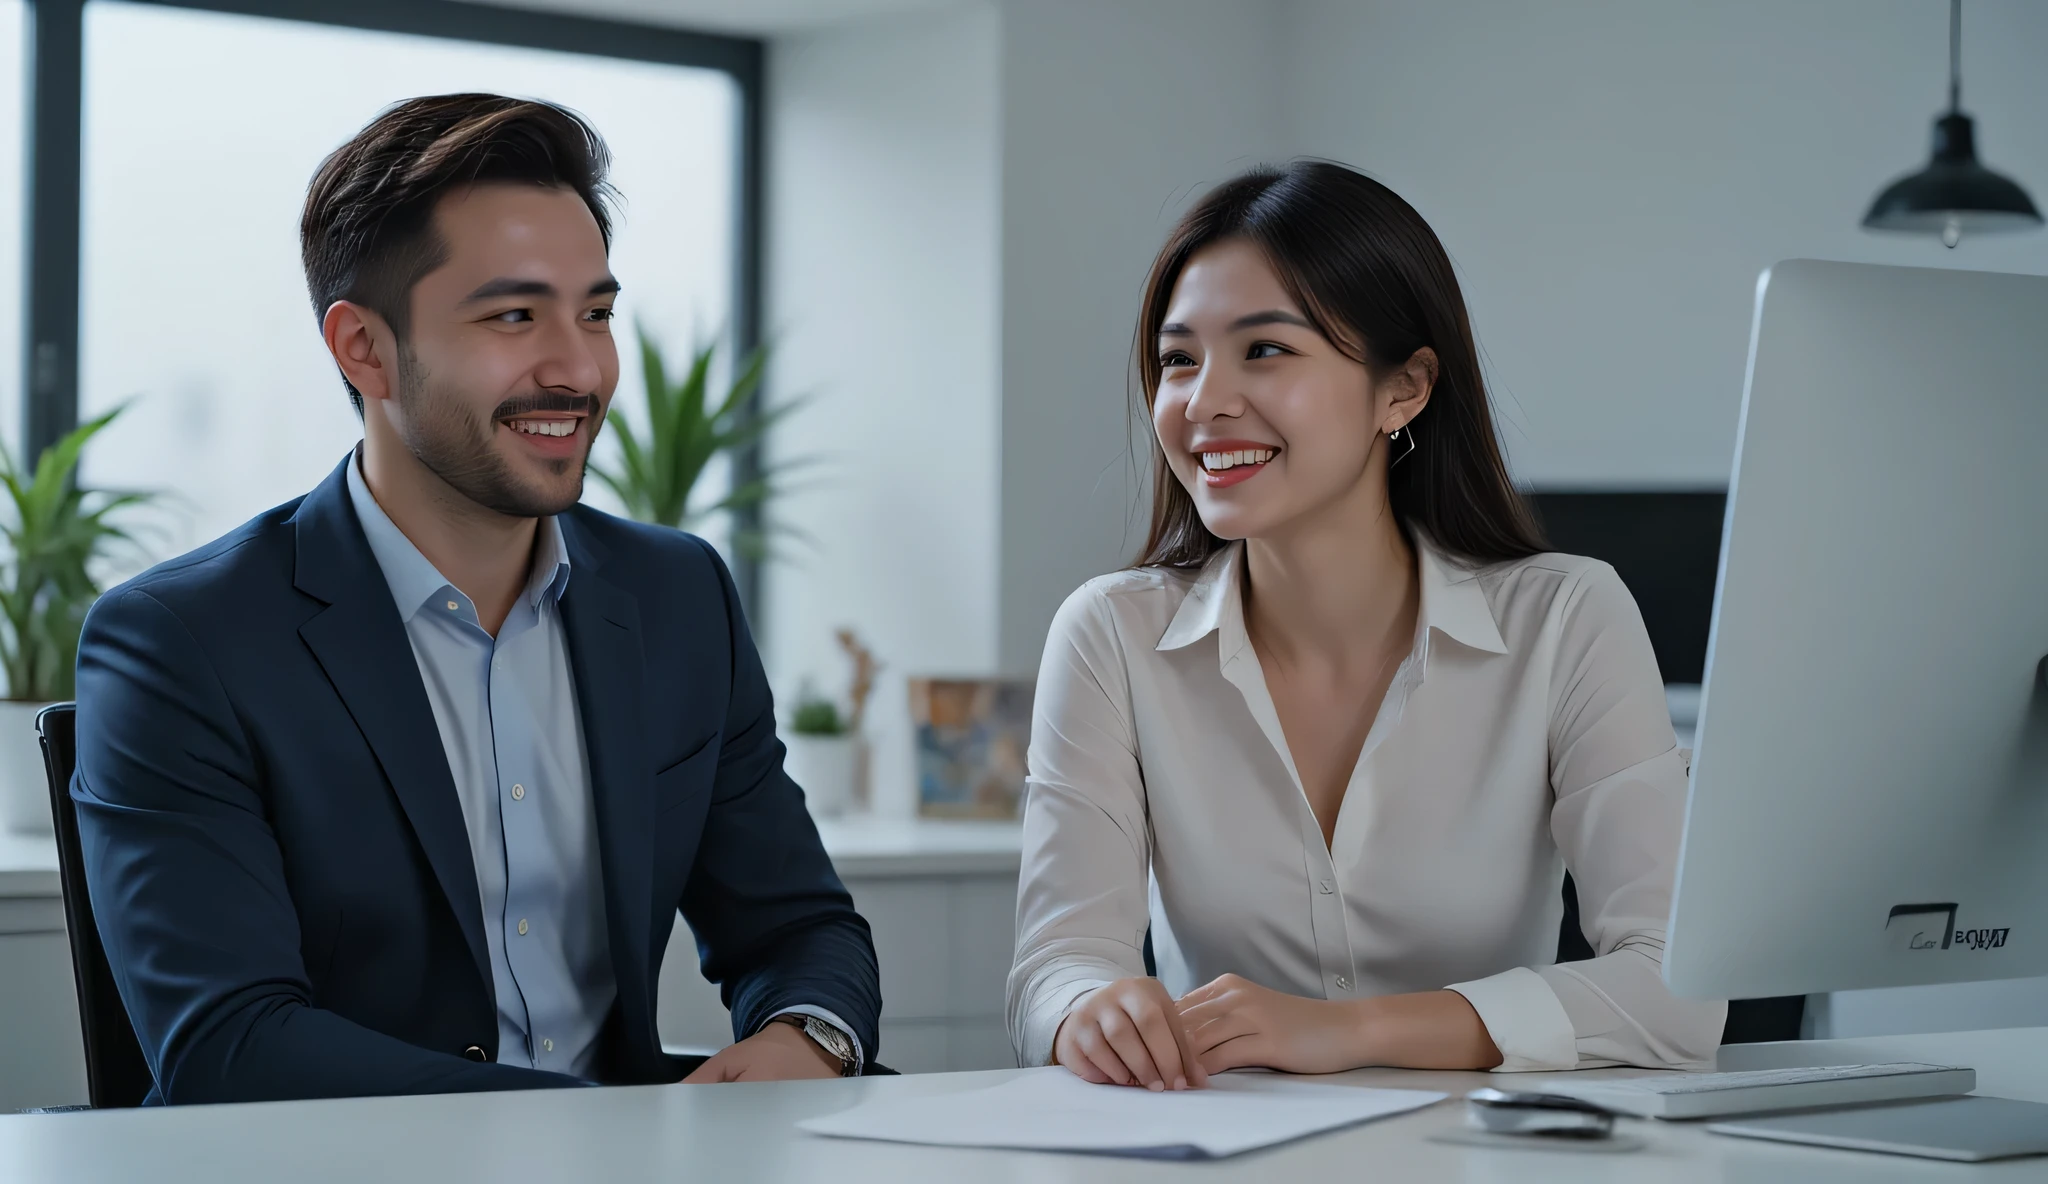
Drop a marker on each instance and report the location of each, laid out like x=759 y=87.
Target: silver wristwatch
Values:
x=827 y=1037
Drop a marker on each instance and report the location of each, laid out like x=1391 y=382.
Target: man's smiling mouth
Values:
x=543 y=427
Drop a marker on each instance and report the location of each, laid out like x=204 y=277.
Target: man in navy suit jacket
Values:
x=398 y=788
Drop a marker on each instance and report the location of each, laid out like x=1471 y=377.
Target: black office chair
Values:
x=1750 y=1021
x=116 y=1075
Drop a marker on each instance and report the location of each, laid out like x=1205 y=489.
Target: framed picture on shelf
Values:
x=971 y=736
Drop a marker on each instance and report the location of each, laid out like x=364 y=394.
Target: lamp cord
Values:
x=1955 y=56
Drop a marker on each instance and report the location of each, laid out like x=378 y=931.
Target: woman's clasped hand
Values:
x=1132 y=1032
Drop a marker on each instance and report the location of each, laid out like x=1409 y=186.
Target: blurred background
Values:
x=935 y=216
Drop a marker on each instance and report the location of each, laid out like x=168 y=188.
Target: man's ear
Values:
x=1409 y=386
x=365 y=348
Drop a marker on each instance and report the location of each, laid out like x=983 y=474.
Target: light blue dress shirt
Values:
x=506 y=710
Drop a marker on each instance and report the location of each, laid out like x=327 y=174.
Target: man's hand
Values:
x=1233 y=1023
x=778 y=1052
x=1128 y=1034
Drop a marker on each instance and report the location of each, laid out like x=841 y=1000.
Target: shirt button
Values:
x=547 y=1046
x=451 y=606
x=519 y=793
x=1324 y=887
x=1343 y=984
x=522 y=926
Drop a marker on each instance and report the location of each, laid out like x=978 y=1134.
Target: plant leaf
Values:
x=55 y=531
x=664 y=449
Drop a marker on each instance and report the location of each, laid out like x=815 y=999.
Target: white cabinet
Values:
x=42 y=1057
x=941 y=898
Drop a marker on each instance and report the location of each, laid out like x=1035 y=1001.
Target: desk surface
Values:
x=746 y=1132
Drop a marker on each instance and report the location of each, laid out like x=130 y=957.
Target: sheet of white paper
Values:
x=1050 y=1109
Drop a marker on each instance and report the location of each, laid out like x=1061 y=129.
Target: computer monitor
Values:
x=1869 y=796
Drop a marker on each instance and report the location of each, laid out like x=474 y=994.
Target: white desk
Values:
x=746 y=1133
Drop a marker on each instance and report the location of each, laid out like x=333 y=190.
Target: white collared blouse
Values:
x=1525 y=733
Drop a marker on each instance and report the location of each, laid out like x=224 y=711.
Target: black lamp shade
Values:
x=1953 y=194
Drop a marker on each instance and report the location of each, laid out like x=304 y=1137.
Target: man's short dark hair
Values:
x=367 y=233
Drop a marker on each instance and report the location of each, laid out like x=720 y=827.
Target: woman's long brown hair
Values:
x=1371 y=276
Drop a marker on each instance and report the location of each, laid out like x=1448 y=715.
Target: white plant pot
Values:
x=24 y=787
x=827 y=769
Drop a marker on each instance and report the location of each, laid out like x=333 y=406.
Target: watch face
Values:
x=831 y=1039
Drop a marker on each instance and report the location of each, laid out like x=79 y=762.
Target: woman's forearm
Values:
x=1427 y=1030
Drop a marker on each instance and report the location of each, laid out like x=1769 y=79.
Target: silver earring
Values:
x=1396 y=435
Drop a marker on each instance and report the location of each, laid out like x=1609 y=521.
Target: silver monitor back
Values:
x=1869 y=800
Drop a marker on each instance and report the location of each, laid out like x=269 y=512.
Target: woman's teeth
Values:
x=542 y=427
x=1216 y=462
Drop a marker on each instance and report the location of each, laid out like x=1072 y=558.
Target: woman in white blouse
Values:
x=1336 y=738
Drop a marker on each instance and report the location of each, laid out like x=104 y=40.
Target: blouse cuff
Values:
x=1526 y=1020
x=1050 y=1004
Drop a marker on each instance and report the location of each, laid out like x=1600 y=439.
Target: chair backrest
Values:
x=1750 y=1021
x=116 y=1074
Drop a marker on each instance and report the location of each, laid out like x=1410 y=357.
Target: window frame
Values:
x=51 y=273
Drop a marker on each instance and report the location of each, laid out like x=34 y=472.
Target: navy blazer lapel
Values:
x=359 y=640
x=602 y=622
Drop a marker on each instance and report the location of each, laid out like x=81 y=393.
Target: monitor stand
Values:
x=1965 y=1129
x=2007 y=1116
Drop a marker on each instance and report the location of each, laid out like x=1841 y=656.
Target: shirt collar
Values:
x=1453 y=603
x=416 y=582
x=1214 y=604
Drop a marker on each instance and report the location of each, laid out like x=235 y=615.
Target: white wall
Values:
x=1115 y=117
x=962 y=209
x=881 y=280
x=965 y=205
x=1610 y=176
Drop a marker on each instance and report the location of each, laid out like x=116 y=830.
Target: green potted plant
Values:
x=827 y=752
x=55 y=533
x=683 y=427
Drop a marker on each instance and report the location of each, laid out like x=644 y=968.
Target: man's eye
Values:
x=600 y=314
x=514 y=316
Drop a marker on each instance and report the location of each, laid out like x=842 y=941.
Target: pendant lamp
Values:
x=1953 y=195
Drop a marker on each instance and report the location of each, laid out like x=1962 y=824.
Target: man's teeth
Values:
x=1216 y=462
x=542 y=427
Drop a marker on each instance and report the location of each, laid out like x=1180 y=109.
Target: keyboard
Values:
x=1765 y=1091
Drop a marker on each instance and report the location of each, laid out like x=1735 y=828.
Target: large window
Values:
x=13 y=65
x=201 y=130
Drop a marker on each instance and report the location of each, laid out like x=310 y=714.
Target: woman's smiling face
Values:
x=1262 y=418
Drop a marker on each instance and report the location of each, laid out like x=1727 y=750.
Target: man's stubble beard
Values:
x=442 y=434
